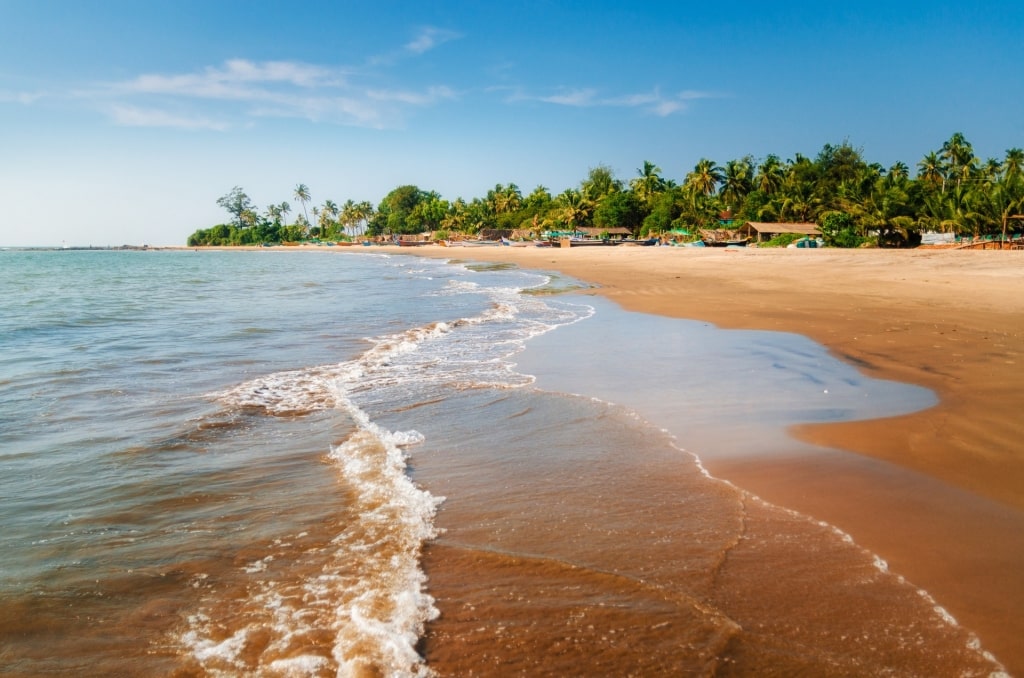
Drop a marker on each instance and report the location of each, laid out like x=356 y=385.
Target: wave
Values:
x=368 y=588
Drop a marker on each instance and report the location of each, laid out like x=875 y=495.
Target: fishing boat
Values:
x=589 y=242
x=515 y=243
x=481 y=243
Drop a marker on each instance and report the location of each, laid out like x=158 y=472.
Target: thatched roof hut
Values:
x=618 y=232
x=765 y=231
x=494 y=233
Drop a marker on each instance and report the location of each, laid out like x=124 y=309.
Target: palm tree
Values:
x=455 y=219
x=931 y=169
x=274 y=214
x=285 y=209
x=649 y=182
x=347 y=216
x=737 y=181
x=1013 y=165
x=899 y=171
x=364 y=212
x=328 y=217
x=770 y=175
x=302 y=195
x=599 y=183
x=575 y=208
x=959 y=156
x=705 y=177
x=504 y=199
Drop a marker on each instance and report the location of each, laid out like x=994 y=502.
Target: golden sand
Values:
x=952 y=321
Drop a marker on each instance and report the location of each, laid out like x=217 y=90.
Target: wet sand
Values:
x=951 y=321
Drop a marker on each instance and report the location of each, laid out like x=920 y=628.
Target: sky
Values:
x=123 y=122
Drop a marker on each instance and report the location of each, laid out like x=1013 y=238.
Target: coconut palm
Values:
x=737 y=181
x=285 y=208
x=933 y=170
x=899 y=171
x=274 y=214
x=770 y=175
x=1013 y=165
x=302 y=195
x=600 y=182
x=363 y=212
x=705 y=177
x=649 y=182
x=959 y=156
x=574 y=208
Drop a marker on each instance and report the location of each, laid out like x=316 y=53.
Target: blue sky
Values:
x=123 y=122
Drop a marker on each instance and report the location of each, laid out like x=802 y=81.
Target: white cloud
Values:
x=130 y=116
x=429 y=38
x=652 y=102
x=236 y=80
x=576 y=97
x=24 y=98
x=430 y=96
x=241 y=88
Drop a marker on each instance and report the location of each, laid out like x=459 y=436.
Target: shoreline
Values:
x=939 y=493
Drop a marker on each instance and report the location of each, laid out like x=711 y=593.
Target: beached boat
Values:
x=481 y=243
x=412 y=243
x=589 y=242
x=515 y=243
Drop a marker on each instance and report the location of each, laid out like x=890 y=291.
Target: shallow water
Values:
x=228 y=463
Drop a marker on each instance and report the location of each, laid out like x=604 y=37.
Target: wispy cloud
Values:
x=430 y=37
x=24 y=98
x=653 y=102
x=575 y=97
x=130 y=116
x=241 y=89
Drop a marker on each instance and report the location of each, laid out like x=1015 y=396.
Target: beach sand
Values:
x=953 y=521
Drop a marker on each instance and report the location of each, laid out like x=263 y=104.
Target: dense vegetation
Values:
x=854 y=201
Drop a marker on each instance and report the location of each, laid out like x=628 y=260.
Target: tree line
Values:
x=855 y=201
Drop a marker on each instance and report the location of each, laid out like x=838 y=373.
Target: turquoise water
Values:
x=229 y=463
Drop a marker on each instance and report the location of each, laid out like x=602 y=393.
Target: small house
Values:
x=763 y=231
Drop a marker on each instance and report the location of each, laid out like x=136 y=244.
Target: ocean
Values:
x=325 y=463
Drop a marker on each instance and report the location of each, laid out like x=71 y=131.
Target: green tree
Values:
x=705 y=177
x=574 y=209
x=770 y=176
x=600 y=182
x=932 y=169
x=620 y=209
x=959 y=157
x=394 y=212
x=236 y=202
x=737 y=182
x=839 y=230
x=303 y=196
x=649 y=183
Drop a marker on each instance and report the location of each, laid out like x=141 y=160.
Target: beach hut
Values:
x=494 y=233
x=764 y=231
x=613 y=233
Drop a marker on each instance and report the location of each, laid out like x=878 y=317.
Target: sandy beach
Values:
x=950 y=321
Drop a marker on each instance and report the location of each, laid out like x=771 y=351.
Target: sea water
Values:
x=324 y=463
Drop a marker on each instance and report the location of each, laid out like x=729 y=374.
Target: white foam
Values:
x=370 y=590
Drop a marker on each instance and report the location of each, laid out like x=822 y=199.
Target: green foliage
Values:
x=953 y=191
x=839 y=230
x=667 y=209
x=781 y=240
x=397 y=212
x=236 y=202
x=619 y=209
